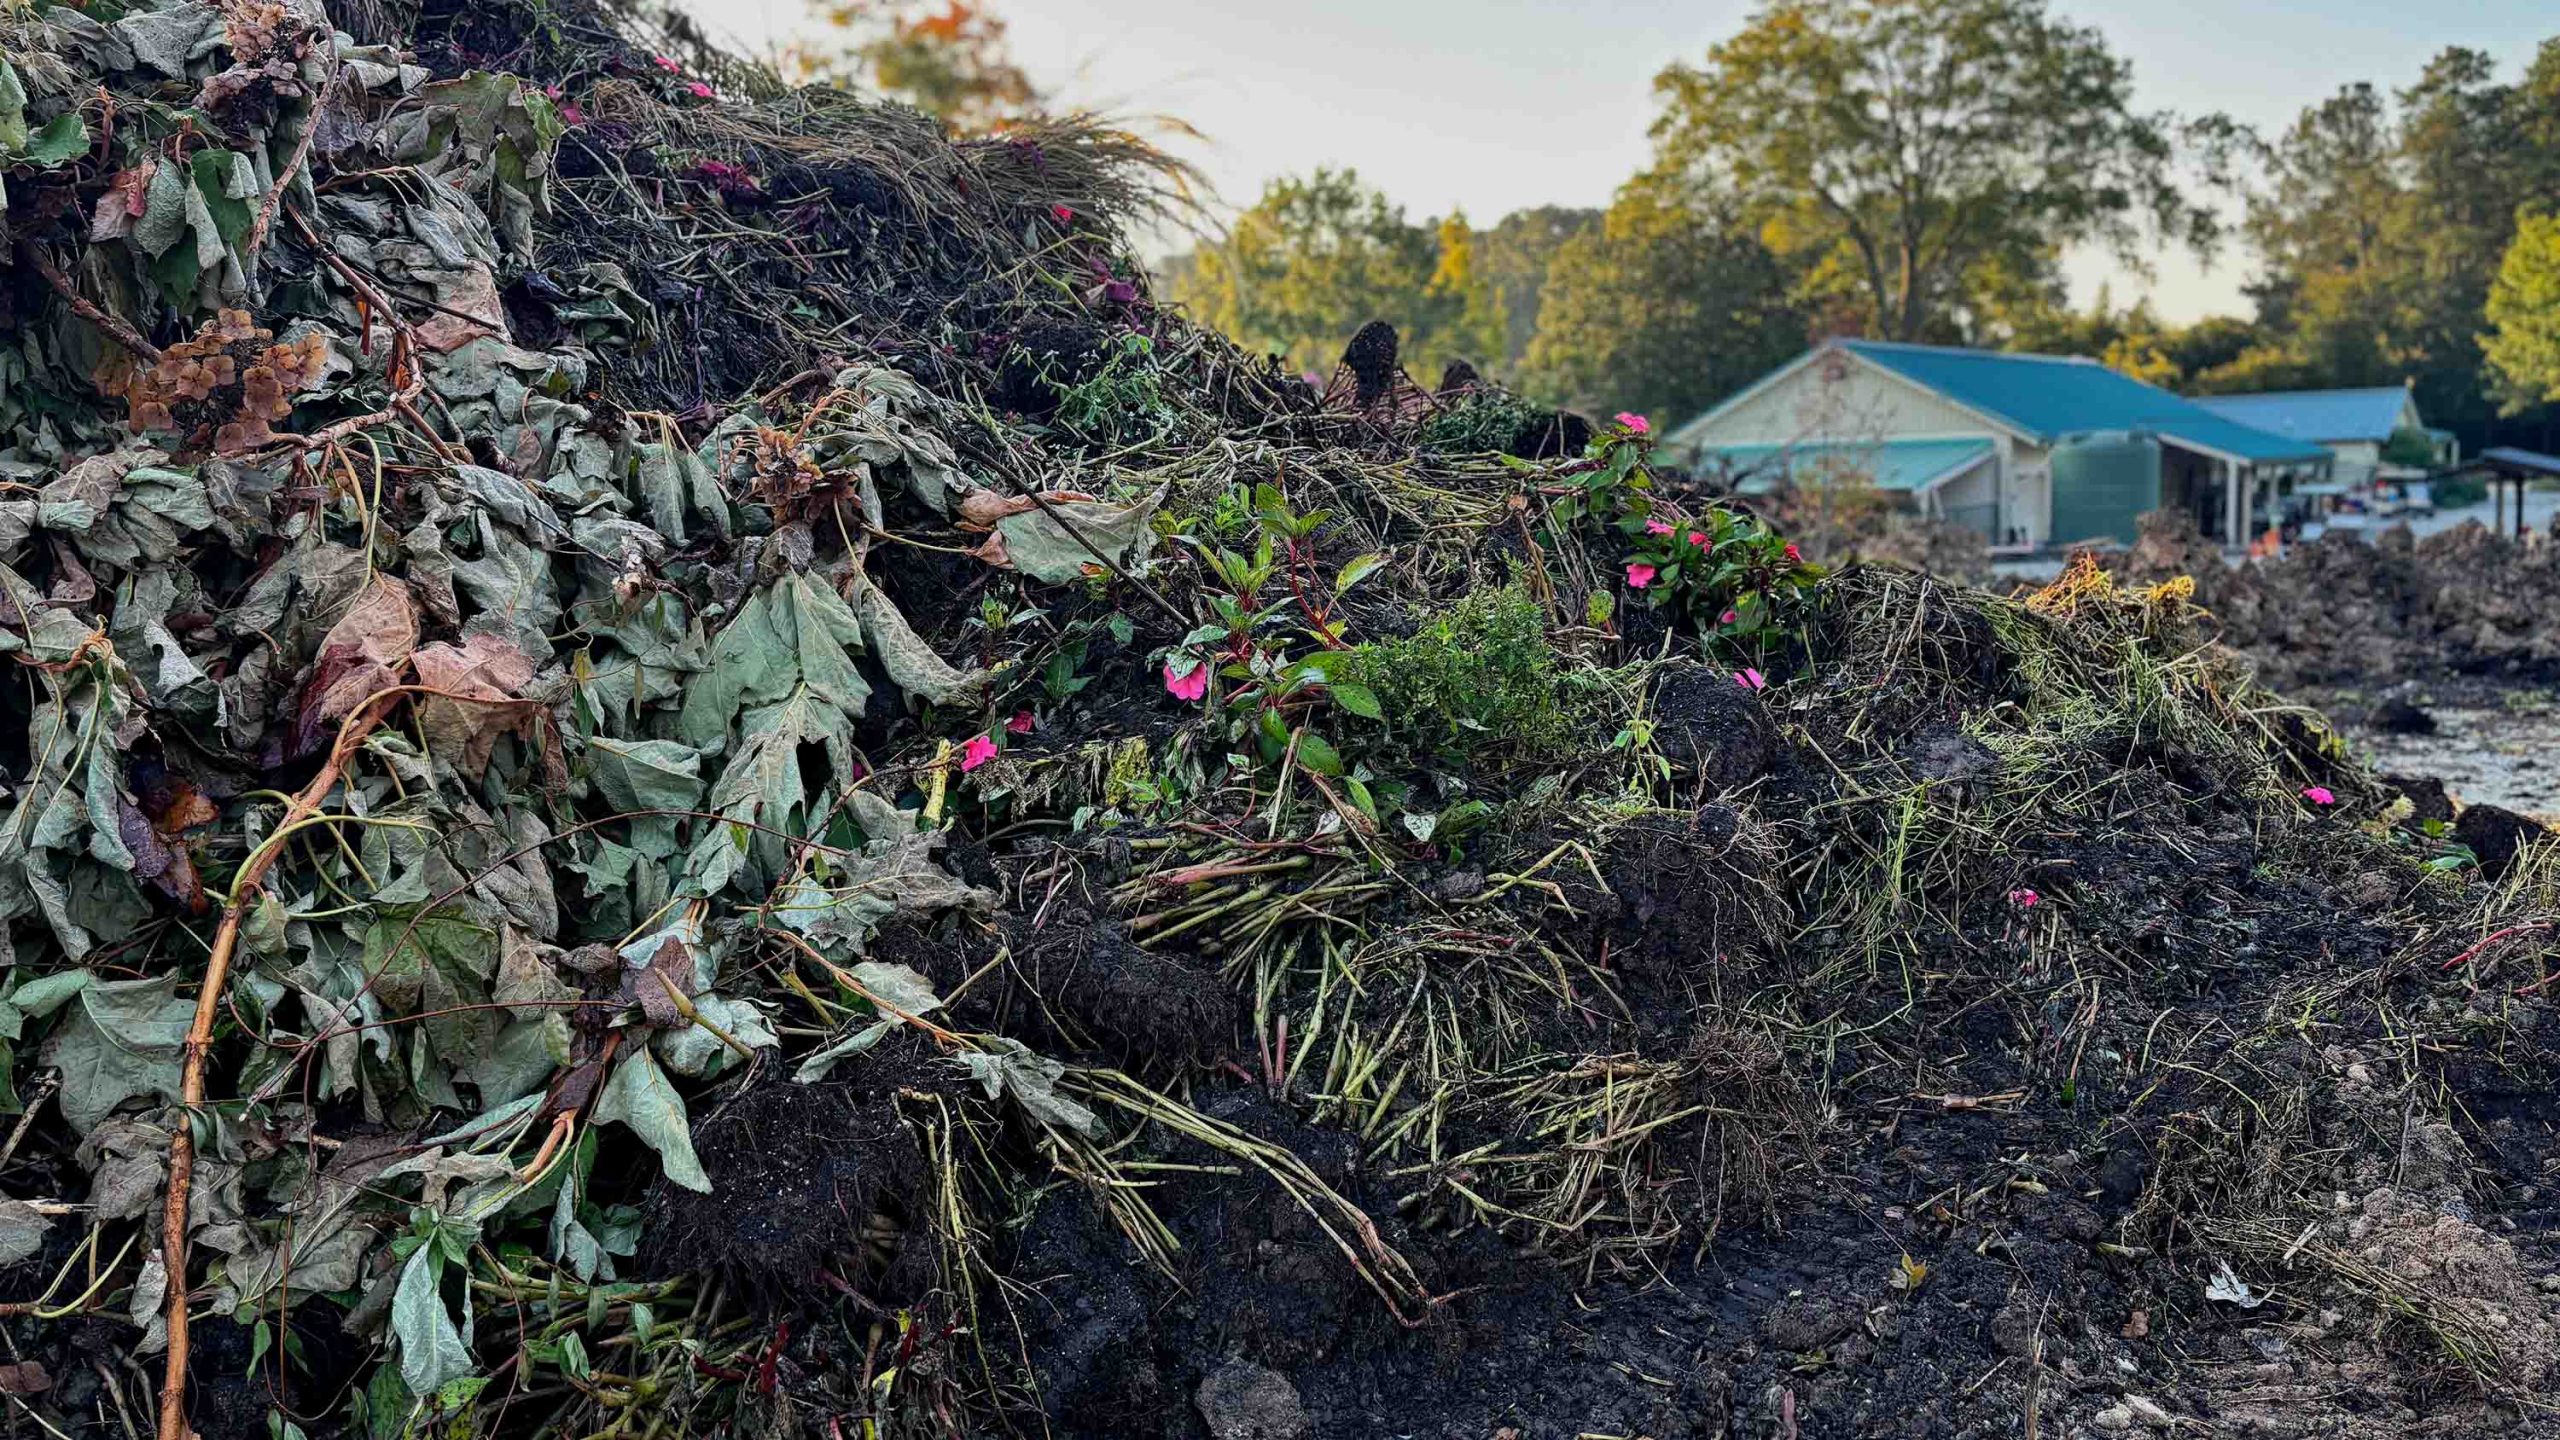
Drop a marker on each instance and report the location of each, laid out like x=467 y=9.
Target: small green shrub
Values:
x=1124 y=401
x=1484 y=420
x=1478 y=674
x=2454 y=492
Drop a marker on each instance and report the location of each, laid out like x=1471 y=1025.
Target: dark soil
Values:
x=816 y=1181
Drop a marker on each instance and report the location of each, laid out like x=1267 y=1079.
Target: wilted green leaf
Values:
x=639 y=1096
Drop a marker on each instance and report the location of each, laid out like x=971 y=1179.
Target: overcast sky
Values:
x=1491 y=105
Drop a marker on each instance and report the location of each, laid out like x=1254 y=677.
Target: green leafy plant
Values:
x=1480 y=673
x=1248 y=643
x=1741 y=583
x=1123 y=403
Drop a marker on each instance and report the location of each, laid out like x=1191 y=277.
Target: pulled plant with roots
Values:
x=738 y=791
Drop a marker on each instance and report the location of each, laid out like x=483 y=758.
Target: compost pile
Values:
x=2342 y=611
x=679 y=769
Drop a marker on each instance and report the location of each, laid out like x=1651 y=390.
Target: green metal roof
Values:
x=2049 y=396
x=1907 y=465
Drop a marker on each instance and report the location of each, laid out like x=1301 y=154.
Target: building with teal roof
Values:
x=2031 y=450
x=2354 y=425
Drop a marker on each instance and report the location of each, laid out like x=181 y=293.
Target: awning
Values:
x=1904 y=466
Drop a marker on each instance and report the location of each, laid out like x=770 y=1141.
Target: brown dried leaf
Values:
x=656 y=986
x=27 y=1377
x=480 y=682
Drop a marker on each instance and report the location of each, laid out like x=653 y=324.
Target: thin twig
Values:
x=117 y=330
x=182 y=1148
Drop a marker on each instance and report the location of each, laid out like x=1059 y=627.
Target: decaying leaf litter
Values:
x=686 y=772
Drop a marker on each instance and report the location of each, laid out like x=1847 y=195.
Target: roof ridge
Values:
x=2294 y=394
x=1974 y=350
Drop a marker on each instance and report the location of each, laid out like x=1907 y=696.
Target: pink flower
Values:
x=1794 y=556
x=698 y=90
x=1727 y=618
x=1657 y=527
x=1640 y=574
x=666 y=63
x=2024 y=898
x=1189 y=685
x=977 y=752
x=1020 y=724
x=1700 y=539
x=1634 y=422
x=1066 y=214
x=571 y=115
x=1750 y=679
x=2318 y=795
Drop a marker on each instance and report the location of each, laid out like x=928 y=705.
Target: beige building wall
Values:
x=1838 y=399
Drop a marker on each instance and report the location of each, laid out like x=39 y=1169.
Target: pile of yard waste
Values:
x=2344 y=610
x=679 y=769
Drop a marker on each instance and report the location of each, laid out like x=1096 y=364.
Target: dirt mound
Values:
x=2341 y=609
x=684 y=770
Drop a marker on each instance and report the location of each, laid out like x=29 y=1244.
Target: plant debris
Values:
x=684 y=771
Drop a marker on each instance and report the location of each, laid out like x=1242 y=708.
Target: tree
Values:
x=1320 y=256
x=952 y=62
x=1898 y=149
x=1510 y=271
x=2523 y=343
x=1663 y=309
x=2380 y=223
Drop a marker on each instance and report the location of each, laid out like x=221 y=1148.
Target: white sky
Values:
x=1492 y=105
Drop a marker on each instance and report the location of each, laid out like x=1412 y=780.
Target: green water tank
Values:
x=2103 y=480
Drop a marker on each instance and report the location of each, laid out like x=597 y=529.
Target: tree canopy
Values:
x=2523 y=343
x=1663 y=309
x=1904 y=153
x=952 y=61
x=1319 y=256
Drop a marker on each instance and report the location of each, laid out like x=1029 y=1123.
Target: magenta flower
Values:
x=698 y=90
x=1634 y=422
x=1189 y=685
x=1639 y=574
x=1750 y=679
x=2024 y=898
x=977 y=752
x=1794 y=556
x=1727 y=618
x=1657 y=527
x=1020 y=724
x=571 y=115
x=1065 y=214
x=666 y=63
x=2319 y=795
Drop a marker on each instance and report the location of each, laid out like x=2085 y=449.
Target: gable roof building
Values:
x=2353 y=425
x=1983 y=438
